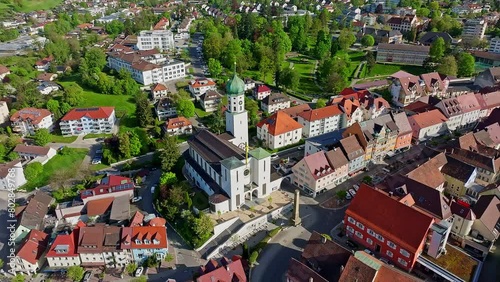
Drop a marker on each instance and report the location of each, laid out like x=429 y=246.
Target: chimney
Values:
x=391 y=193
x=323 y=239
x=341 y=268
x=311 y=279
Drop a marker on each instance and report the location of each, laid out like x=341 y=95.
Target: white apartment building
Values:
x=29 y=256
x=279 y=130
x=88 y=120
x=495 y=45
x=320 y=121
x=275 y=102
x=162 y=40
x=474 y=28
x=199 y=87
x=29 y=120
x=428 y=124
x=147 y=67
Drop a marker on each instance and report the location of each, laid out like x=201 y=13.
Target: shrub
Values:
x=253 y=257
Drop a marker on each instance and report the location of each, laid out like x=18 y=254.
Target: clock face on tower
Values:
x=241 y=102
x=246 y=172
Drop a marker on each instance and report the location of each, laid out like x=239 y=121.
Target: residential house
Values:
x=162 y=40
x=428 y=124
x=400 y=239
x=28 y=120
x=405 y=132
x=114 y=255
x=4 y=71
x=145 y=241
x=406 y=88
x=201 y=86
x=458 y=176
x=162 y=24
x=488 y=78
x=452 y=110
x=4 y=113
x=494 y=48
x=380 y=133
x=320 y=121
x=29 y=257
x=471 y=110
x=339 y=164
x=12 y=175
x=165 y=109
x=487 y=213
x=374 y=107
x=110 y=186
x=90 y=246
x=434 y=84
x=210 y=100
x=485 y=159
x=488 y=102
x=44 y=64
x=489 y=136
x=62 y=253
x=402 y=54
x=313 y=174
x=47 y=87
x=275 y=102
x=429 y=37
x=33 y=216
x=249 y=84
x=261 y=91
x=178 y=126
x=381 y=35
x=88 y=120
x=279 y=130
x=324 y=142
x=35 y=153
x=228 y=270
x=46 y=76
x=158 y=91
x=474 y=28
x=352 y=110
x=404 y=23
x=354 y=153
x=294 y=111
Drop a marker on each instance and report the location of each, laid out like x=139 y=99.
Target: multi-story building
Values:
x=199 y=87
x=144 y=241
x=354 y=153
x=474 y=28
x=452 y=110
x=381 y=35
x=351 y=108
x=29 y=257
x=402 y=54
x=62 y=253
x=228 y=270
x=494 y=45
x=28 y=120
x=428 y=124
x=90 y=246
x=403 y=24
x=458 y=176
x=471 y=111
x=488 y=78
x=147 y=67
x=405 y=133
x=114 y=255
x=485 y=159
x=33 y=216
x=178 y=126
x=433 y=84
x=88 y=120
x=158 y=91
x=396 y=232
x=261 y=91
x=381 y=134
x=165 y=109
x=210 y=100
x=110 y=186
x=406 y=88
x=162 y=40
x=320 y=121
x=275 y=102
x=313 y=174
x=279 y=130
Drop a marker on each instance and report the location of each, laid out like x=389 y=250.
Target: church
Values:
x=223 y=165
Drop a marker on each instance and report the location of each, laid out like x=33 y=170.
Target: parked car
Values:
x=153 y=188
x=351 y=244
x=139 y=271
x=96 y=161
x=301 y=147
x=352 y=192
x=356 y=187
x=86 y=276
x=274 y=157
x=98 y=151
x=348 y=196
x=368 y=252
x=136 y=199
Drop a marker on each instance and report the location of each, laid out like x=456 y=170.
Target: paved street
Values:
x=196 y=59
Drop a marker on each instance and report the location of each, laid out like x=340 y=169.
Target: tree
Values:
x=143 y=110
x=437 y=48
x=75 y=273
x=321 y=103
x=217 y=121
x=214 y=67
x=346 y=39
x=189 y=201
x=95 y=59
x=124 y=145
x=423 y=12
x=170 y=154
x=370 y=60
x=135 y=144
x=42 y=137
x=323 y=44
x=185 y=108
x=252 y=108
x=253 y=258
x=448 y=66
x=168 y=178
x=53 y=106
x=289 y=78
x=18 y=278
x=1 y=263
x=465 y=64
x=367 y=40
x=357 y=3
x=73 y=94
x=202 y=226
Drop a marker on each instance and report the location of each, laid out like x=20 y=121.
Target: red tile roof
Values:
x=318 y=165
x=35 y=150
x=178 y=122
x=150 y=233
x=4 y=69
x=299 y=272
x=295 y=111
x=426 y=119
x=279 y=123
x=159 y=87
x=93 y=113
x=468 y=103
x=44 y=61
x=64 y=244
x=157 y=221
x=109 y=184
x=262 y=88
x=322 y=113
x=161 y=24
x=357 y=94
x=390 y=218
x=33 y=114
x=201 y=83
x=232 y=272
x=356 y=270
x=137 y=219
x=99 y=206
x=34 y=246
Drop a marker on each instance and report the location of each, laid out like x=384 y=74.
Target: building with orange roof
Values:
x=145 y=241
x=261 y=91
x=29 y=256
x=62 y=253
x=28 y=120
x=226 y=271
x=88 y=120
x=110 y=186
x=199 y=87
x=178 y=126
x=99 y=207
x=320 y=121
x=428 y=124
x=158 y=91
x=314 y=174
x=279 y=130
x=162 y=24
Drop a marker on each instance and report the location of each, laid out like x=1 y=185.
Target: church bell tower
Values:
x=236 y=115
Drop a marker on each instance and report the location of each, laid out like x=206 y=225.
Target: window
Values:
x=360 y=226
x=359 y=234
x=351 y=220
x=389 y=254
x=371 y=232
x=379 y=237
x=404 y=253
x=402 y=262
x=391 y=244
x=350 y=229
x=369 y=241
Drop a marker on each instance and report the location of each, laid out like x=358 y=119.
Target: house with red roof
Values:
x=428 y=124
x=62 y=253
x=389 y=228
x=158 y=91
x=320 y=121
x=162 y=24
x=144 y=241
x=199 y=87
x=406 y=88
x=261 y=91
x=44 y=64
x=178 y=126
x=471 y=110
x=314 y=173
x=110 y=186
x=88 y=120
x=227 y=271
x=28 y=120
x=279 y=130
x=29 y=256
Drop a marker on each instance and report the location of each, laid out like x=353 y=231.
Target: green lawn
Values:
x=36 y=5
x=96 y=167
x=387 y=69
x=97 y=135
x=67 y=165
x=200 y=200
x=200 y=112
x=305 y=68
x=61 y=139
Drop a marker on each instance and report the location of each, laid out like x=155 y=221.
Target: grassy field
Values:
x=386 y=69
x=62 y=139
x=67 y=165
x=305 y=67
x=97 y=135
x=36 y=5
x=96 y=167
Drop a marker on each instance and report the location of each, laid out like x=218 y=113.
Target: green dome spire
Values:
x=235 y=85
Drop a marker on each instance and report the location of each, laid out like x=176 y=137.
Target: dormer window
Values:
x=146 y=241
x=138 y=242
x=156 y=242
x=126 y=243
